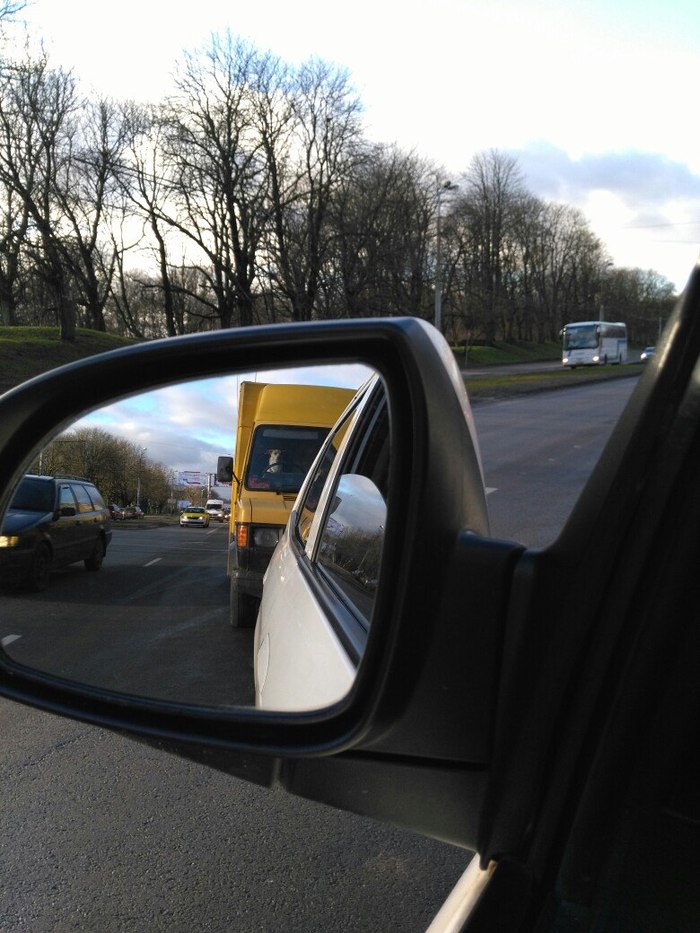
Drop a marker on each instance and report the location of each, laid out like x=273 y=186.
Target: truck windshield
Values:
x=281 y=456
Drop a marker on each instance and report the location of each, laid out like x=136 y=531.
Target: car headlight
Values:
x=9 y=540
x=266 y=537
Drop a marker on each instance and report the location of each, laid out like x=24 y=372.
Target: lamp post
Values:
x=138 y=477
x=445 y=186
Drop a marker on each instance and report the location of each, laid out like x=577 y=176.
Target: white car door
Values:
x=318 y=590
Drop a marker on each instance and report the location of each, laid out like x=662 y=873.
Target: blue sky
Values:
x=188 y=426
x=596 y=99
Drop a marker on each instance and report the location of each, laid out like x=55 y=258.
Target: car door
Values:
x=88 y=522
x=67 y=533
x=330 y=555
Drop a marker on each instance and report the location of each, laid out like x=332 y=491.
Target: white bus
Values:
x=594 y=343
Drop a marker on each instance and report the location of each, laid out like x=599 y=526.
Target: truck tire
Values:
x=244 y=608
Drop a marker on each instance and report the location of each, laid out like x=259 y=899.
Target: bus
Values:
x=594 y=343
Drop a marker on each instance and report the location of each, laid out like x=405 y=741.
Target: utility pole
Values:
x=445 y=186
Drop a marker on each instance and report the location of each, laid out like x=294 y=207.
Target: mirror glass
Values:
x=132 y=555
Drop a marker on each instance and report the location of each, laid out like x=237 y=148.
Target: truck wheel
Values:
x=244 y=608
x=39 y=572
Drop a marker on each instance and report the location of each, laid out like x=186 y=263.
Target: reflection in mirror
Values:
x=140 y=492
x=303 y=659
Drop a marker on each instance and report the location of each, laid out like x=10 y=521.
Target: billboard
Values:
x=190 y=478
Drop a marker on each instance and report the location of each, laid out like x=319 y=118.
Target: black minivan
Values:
x=52 y=521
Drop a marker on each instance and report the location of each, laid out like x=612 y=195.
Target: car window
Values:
x=84 y=501
x=349 y=544
x=97 y=500
x=66 y=499
x=352 y=535
x=308 y=507
x=34 y=495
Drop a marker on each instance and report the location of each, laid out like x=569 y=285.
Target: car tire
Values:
x=40 y=570
x=244 y=609
x=94 y=561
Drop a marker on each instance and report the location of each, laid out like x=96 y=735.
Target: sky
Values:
x=187 y=427
x=595 y=98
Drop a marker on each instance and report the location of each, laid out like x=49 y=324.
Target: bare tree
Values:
x=213 y=156
x=380 y=225
x=490 y=193
x=321 y=157
x=89 y=202
x=36 y=104
x=14 y=223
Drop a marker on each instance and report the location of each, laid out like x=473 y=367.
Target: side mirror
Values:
x=435 y=505
x=224 y=470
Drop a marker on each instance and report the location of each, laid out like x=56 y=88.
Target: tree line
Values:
x=119 y=468
x=250 y=194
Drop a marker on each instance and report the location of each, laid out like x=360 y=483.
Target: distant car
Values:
x=116 y=512
x=51 y=522
x=133 y=511
x=647 y=353
x=194 y=515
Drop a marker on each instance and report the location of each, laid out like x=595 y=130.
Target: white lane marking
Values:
x=490 y=489
x=152 y=562
x=8 y=639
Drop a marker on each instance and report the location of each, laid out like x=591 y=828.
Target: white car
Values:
x=332 y=545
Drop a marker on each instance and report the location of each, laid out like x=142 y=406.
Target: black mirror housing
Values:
x=224 y=470
x=437 y=507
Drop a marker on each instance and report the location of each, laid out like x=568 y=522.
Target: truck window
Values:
x=281 y=456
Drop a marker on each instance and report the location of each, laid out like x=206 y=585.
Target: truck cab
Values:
x=280 y=430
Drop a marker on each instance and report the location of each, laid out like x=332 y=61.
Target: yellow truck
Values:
x=280 y=431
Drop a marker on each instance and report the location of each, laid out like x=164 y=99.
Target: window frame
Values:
x=350 y=625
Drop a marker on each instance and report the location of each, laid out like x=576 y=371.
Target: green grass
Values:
x=505 y=386
x=28 y=351
x=504 y=353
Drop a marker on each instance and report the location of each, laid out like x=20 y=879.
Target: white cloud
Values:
x=186 y=427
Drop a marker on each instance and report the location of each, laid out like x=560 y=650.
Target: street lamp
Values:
x=142 y=451
x=445 y=186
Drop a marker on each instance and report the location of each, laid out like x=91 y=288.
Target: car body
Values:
x=647 y=354
x=335 y=534
x=132 y=511
x=52 y=522
x=215 y=509
x=194 y=515
x=116 y=512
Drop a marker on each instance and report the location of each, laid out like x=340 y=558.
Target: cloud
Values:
x=637 y=178
x=187 y=426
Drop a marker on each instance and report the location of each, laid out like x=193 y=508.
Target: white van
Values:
x=215 y=509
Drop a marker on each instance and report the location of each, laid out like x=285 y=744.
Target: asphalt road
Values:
x=537 y=453
x=100 y=833
x=153 y=622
